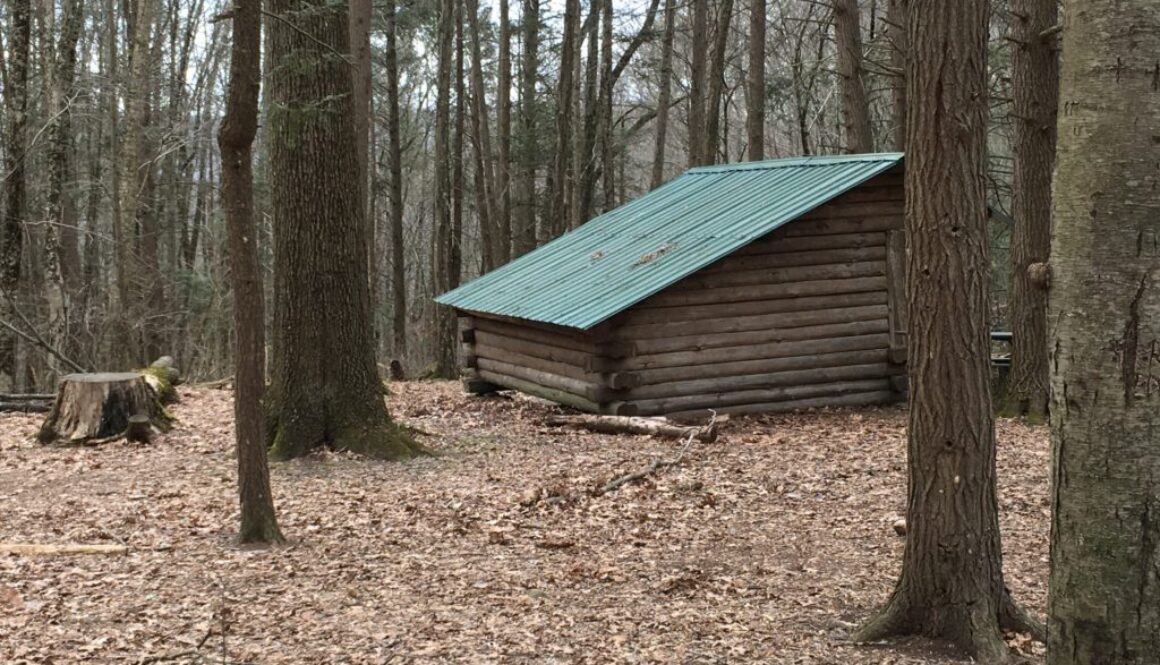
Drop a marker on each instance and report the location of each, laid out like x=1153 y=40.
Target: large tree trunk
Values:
x=1103 y=600
x=855 y=104
x=664 y=99
x=951 y=586
x=755 y=84
x=14 y=182
x=235 y=140
x=395 y=186
x=325 y=387
x=1036 y=85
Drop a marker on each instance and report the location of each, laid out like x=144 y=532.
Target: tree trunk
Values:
x=604 y=121
x=325 y=387
x=586 y=141
x=62 y=257
x=395 y=186
x=700 y=48
x=855 y=104
x=664 y=99
x=504 y=121
x=132 y=282
x=1036 y=87
x=259 y=523
x=951 y=586
x=14 y=182
x=99 y=406
x=1103 y=599
x=755 y=84
x=360 y=52
x=898 y=52
x=487 y=201
x=559 y=212
x=524 y=219
x=716 y=75
x=441 y=263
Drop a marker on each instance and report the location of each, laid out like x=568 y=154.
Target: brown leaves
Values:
x=754 y=549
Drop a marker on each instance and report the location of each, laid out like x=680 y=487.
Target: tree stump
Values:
x=103 y=406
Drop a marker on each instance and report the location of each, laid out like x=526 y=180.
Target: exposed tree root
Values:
x=977 y=631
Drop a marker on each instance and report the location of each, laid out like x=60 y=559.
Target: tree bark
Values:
x=504 y=123
x=855 y=104
x=486 y=195
x=14 y=181
x=524 y=217
x=755 y=84
x=560 y=211
x=1103 y=598
x=951 y=585
x=325 y=388
x=442 y=260
x=259 y=523
x=898 y=53
x=395 y=185
x=716 y=75
x=1035 y=72
x=697 y=66
x=360 y=52
x=665 y=97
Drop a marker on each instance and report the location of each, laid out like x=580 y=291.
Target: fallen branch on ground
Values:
x=660 y=463
x=32 y=549
x=634 y=425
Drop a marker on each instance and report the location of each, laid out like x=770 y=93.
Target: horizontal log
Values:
x=37 y=549
x=586 y=389
x=676 y=315
x=486 y=351
x=763 y=276
x=557 y=354
x=748 y=382
x=722 y=400
x=533 y=388
x=854 y=211
x=27 y=397
x=831 y=226
x=640 y=333
x=594 y=333
x=662 y=375
x=631 y=425
x=26 y=407
x=804 y=258
x=573 y=341
x=780 y=245
x=683 y=296
x=701 y=358
x=832 y=401
x=699 y=343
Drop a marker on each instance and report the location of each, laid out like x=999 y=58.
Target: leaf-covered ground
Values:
x=764 y=547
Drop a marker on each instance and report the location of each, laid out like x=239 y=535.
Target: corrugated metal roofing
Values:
x=628 y=254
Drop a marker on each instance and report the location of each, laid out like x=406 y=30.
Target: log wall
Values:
x=803 y=317
x=806 y=316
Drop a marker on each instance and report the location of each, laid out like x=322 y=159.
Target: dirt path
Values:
x=763 y=547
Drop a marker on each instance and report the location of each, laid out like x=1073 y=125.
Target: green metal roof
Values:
x=628 y=254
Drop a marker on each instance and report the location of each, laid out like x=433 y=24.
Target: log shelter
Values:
x=756 y=287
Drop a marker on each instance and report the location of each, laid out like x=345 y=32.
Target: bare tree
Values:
x=664 y=99
x=1035 y=82
x=235 y=139
x=755 y=84
x=855 y=104
x=395 y=185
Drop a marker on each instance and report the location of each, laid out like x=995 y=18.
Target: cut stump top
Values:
x=101 y=377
